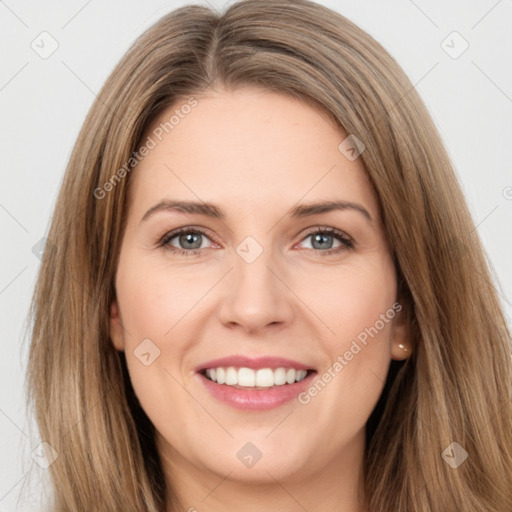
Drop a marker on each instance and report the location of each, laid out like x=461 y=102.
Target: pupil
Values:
x=320 y=238
x=189 y=238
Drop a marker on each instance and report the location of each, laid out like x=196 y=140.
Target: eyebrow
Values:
x=211 y=210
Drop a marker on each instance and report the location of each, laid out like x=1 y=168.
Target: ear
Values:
x=401 y=336
x=116 y=326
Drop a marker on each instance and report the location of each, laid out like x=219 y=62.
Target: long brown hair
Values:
x=456 y=386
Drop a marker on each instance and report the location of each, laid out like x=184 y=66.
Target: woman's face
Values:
x=250 y=277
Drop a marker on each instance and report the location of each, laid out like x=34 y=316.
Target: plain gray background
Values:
x=44 y=99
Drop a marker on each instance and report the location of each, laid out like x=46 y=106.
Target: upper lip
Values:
x=240 y=361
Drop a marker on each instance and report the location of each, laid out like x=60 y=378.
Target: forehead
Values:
x=248 y=147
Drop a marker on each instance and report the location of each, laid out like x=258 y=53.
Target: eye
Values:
x=322 y=240
x=189 y=240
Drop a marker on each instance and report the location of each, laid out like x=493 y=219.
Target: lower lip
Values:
x=256 y=399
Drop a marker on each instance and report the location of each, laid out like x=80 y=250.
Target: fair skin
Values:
x=256 y=154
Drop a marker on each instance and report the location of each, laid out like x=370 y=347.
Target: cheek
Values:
x=154 y=304
x=157 y=305
x=357 y=306
x=153 y=300
x=351 y=299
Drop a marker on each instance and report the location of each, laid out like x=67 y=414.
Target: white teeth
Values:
x=231 y=376
x=246 y=377
x=280 y=377
x=265 y=378
x=221 y=375
x=262 y=378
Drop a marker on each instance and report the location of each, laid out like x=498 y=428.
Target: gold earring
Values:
x=403 y=347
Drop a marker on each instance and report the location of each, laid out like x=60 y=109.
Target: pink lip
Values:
x=256 y=399
x=255 y=363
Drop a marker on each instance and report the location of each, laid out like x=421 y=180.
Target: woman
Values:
x=252 y=372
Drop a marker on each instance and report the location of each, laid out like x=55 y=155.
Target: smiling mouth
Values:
x=248 y=378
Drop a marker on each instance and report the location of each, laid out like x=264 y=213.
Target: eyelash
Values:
x=347 y=242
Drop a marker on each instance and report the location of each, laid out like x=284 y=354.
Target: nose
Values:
x=257 y=295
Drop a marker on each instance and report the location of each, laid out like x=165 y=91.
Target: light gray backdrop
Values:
x=57 y=55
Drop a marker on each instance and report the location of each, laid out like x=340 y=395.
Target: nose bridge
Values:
x=254 y=280
x=253 y=265
x=256 y=296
